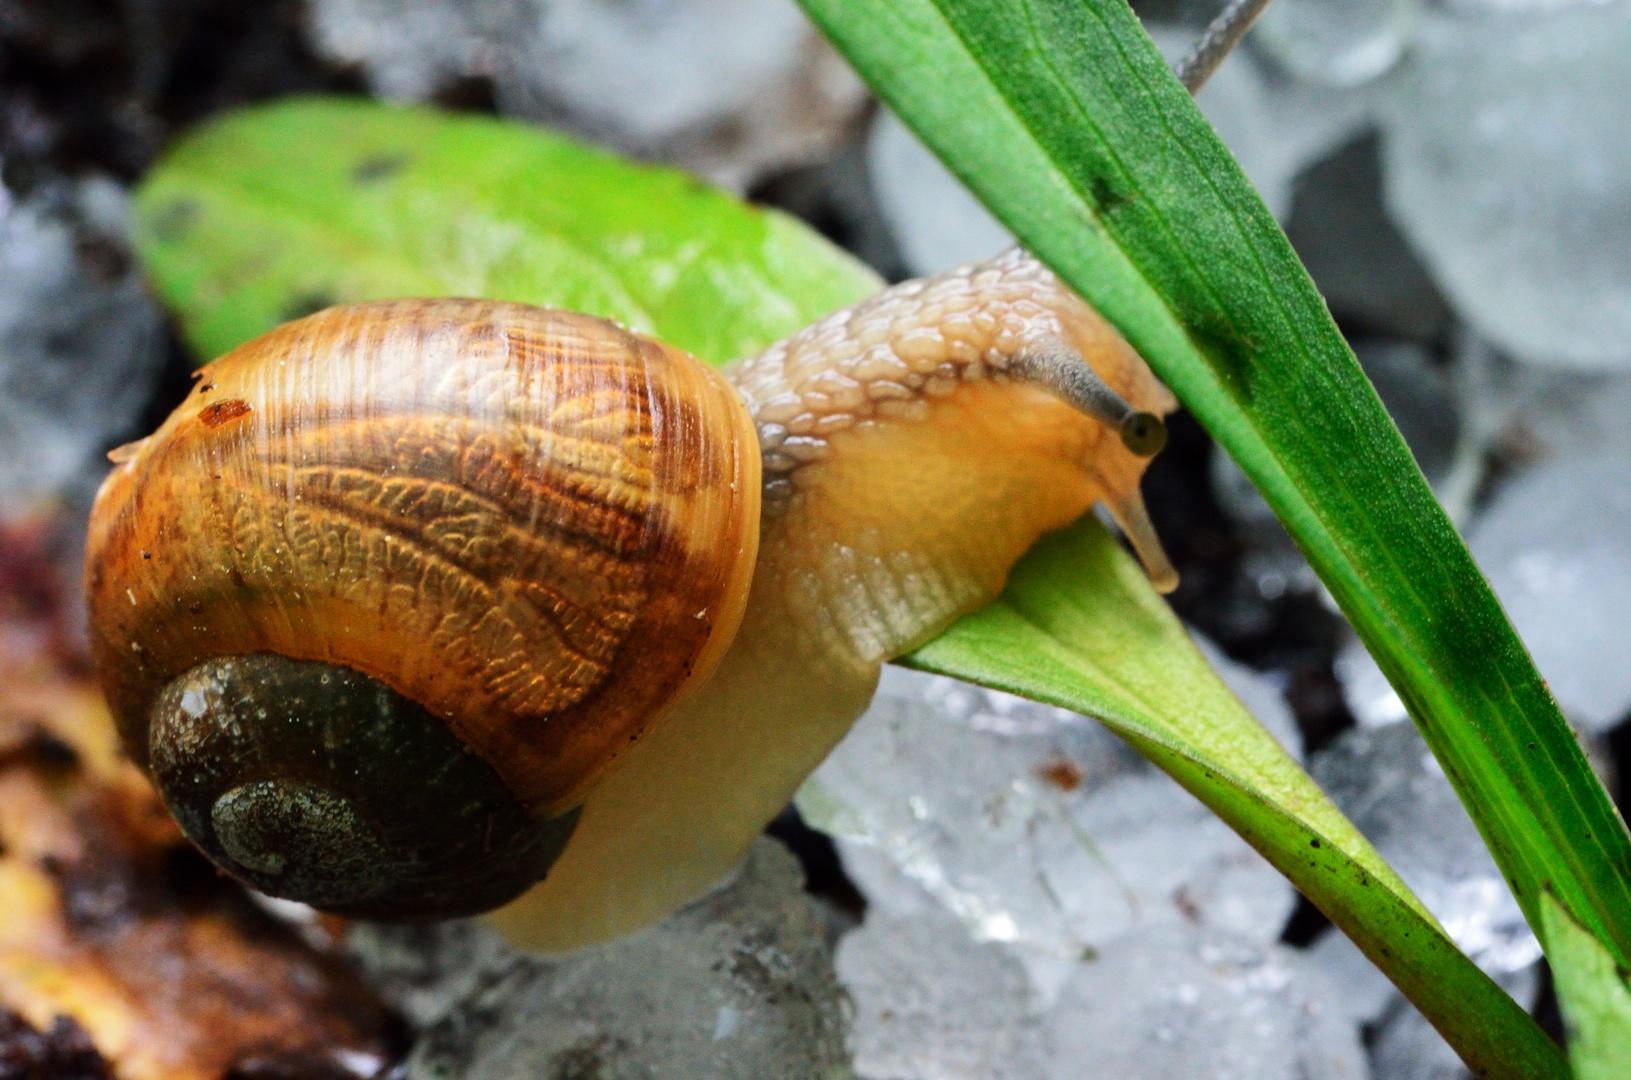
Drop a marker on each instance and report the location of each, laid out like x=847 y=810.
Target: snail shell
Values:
x=398 y=581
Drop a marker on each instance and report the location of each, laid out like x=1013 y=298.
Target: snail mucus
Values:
x=422 y=608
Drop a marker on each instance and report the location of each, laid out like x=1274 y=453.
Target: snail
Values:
x=417 y=609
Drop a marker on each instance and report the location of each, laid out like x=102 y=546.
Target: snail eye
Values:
x=1144 y=434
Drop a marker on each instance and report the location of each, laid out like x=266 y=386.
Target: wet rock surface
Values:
x=123 y=953
x=62 y=1051
x=99 y=86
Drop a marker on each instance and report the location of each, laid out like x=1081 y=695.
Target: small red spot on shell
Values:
x=1063 y=774
x=223 y=411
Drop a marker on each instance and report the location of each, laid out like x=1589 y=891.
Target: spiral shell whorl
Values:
x=285 y=772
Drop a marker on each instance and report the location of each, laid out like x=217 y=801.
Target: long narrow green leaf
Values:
x=1080 y=627
x=1065 y=120
x=1595 y=994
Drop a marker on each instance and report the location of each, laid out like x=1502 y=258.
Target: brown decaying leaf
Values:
x=110 y=919
x=61 y=1052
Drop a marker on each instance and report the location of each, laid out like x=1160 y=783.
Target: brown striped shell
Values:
x=538 y=526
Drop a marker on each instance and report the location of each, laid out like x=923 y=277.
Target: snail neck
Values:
x=915 y=446
x=908 y=526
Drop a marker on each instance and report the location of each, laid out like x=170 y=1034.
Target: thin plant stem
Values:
x=1486 y=410
x=1218 y=42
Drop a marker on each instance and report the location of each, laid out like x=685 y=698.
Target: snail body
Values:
x=645 y=600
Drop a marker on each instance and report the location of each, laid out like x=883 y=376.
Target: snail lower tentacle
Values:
x=288 y=774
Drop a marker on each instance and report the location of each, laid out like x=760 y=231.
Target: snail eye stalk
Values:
x=1051 y=362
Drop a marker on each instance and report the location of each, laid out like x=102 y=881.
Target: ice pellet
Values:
x=1032 y=824
x=1507 y=165
x=738 y=985
x=1390 y=786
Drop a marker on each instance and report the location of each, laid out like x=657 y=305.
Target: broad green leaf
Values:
x=275 y=212
x=1080 y=627
x=1595 y=994
x=1063 y=117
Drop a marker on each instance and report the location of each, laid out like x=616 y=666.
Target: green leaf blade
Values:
x=1080 y=627
x=1062 y=116
x=1595 y=995
x=274 y=212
